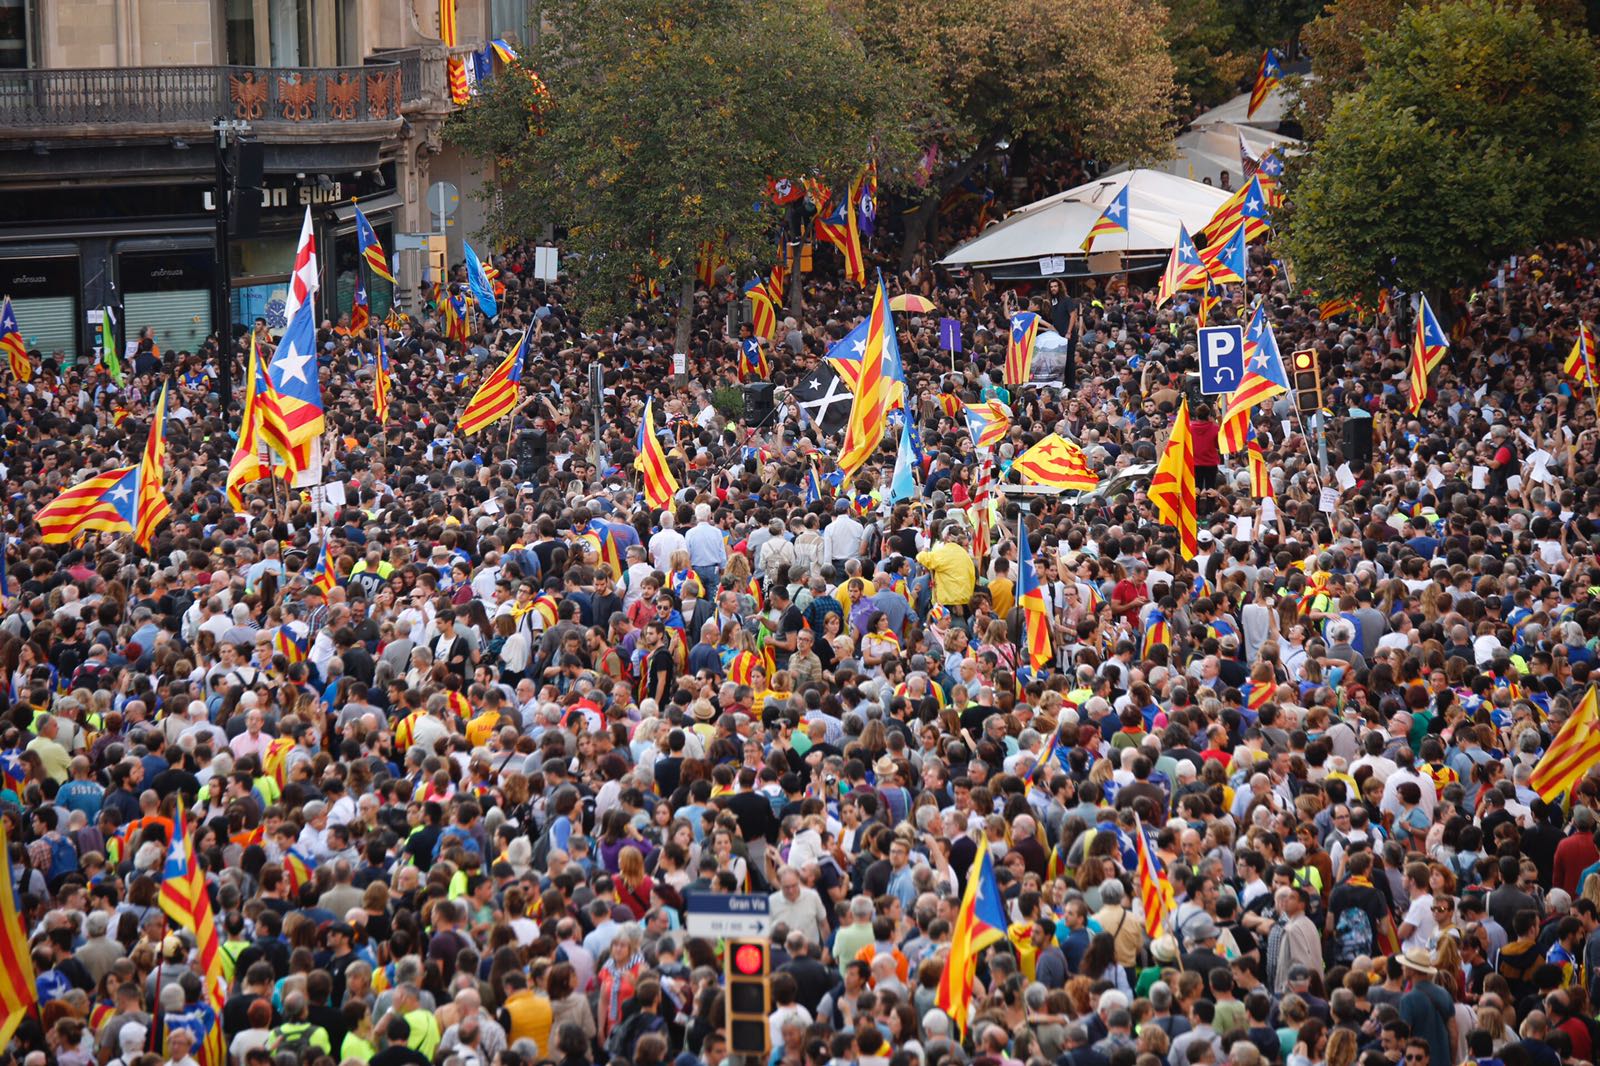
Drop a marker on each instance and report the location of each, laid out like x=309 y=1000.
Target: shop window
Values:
x=170 y=292
x=44 y=296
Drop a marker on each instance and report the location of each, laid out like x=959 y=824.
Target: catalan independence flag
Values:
x=1428 y=348
x=19 y=990
x=152 y=508
x=988 y=422
x=1228 y=261
x=1019 y=347
x=980 y=921
x=841 y=228
x=1268 y=75
x=324 y=576
x=1157 y=633
x=1257 y=694
x=1172 y=488
x=15 y=348
x=104 y=502
x=1114 y=219
x=1264 y=378
x=360 y=310
x=293 y=401
x=275 y=760
x=299 y=868
x=185 y=901
x=659 y=484
x=763 y=315
x=1054 y=758
x=294 y=647
x=381 y=383
x=869 y=410
x=1184 y=269
x=1035 y=611
x=1058 y=463
x=498 y=394
x=370 y=247
x=753 y=364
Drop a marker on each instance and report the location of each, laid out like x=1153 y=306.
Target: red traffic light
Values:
x=748 y=959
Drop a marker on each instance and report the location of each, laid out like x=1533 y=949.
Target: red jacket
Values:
x=1205 y=443
x=1573 y=856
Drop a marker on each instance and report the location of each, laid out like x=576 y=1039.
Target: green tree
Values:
x=666 y=119
x=1475 y=135
x=1200 y=38
x=1095 y=74
x=1335 y=40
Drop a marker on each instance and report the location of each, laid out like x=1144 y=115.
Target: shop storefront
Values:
x=148 y=252
x=44 y=291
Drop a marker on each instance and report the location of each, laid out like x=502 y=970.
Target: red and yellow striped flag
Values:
x=246 y=467
x=1172 y=488
x=659 y=484
x=1574 y=750
x=19 y=995
x=1057 y=462
x=15 y=347
x=869 y=412
x=498 y=394
x=152 y=508
x=1155 y=890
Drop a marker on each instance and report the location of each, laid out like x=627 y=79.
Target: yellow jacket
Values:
x=953 y=573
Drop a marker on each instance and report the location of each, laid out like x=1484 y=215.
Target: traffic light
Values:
x=1306 y=377
x=746 y=968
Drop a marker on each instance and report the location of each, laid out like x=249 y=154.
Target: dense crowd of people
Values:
x=455 y=809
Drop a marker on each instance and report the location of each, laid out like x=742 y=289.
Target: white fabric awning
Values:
x=1056 y=226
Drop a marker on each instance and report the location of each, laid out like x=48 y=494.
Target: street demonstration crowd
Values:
x=455 y=809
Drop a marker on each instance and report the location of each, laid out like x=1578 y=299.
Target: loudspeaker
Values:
x=758 y=402
x=244 y=213
x=1358 y=440
x=249 y=164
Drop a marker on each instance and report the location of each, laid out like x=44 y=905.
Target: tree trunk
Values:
x=685 y=310
x=917 y=221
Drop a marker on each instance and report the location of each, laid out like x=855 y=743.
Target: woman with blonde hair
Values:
x=632 y=883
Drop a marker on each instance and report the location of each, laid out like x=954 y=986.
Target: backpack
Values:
x=1354 y=934
x=63 y=856
x=297 y=1042
x=539 y=857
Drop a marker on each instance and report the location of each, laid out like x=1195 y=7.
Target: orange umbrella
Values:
x=911 y=303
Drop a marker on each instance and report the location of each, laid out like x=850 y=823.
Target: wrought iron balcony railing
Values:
x=41 y=101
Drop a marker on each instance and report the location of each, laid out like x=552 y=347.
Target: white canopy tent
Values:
x=1272 y=113
x=1205 y=153
x=1032 y=241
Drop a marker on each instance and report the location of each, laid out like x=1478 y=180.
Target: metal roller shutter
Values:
x=49 y=324
x=182 y=319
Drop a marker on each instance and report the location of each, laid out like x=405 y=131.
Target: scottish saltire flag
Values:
x=482 y=290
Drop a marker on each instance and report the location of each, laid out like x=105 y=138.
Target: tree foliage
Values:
x=1092 y=74
x=1335 y=40
x=667 y=117
x=1474 y=136
x=1208 y=59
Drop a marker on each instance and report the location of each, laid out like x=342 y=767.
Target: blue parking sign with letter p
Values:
x=1221 y=359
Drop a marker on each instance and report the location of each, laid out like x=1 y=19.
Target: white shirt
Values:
x=842 y=539
x=1390 y=804
x=1419 y=915
x=662 y=545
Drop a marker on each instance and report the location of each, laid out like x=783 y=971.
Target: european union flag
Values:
x=482 y=291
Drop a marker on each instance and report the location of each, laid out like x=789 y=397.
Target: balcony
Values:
x=283 y=103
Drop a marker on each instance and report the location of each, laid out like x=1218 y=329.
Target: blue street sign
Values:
x=1221 y=359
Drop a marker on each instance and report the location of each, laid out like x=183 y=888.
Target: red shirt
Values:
x=1205 y=443
x=1125 y=593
